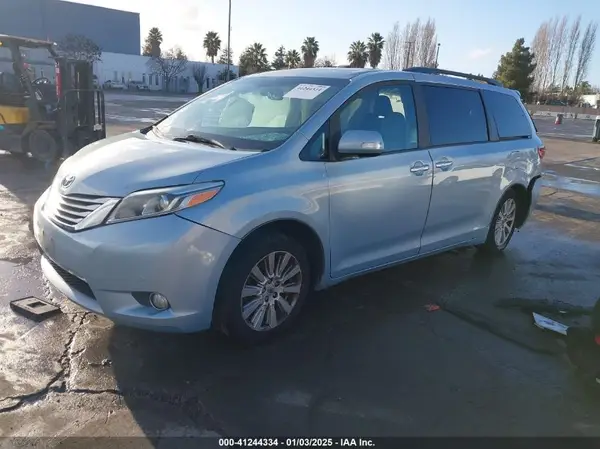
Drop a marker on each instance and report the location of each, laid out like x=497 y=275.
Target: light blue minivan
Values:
x=231 y=210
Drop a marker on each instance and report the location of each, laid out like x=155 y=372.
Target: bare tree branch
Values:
x=586 y=49
x=413 y=37
x=169 y=64
x=407 y=45
x=326 y=61
x=427 y=44
x=571 y=50
x=558 y=40
x=414 y=45
x=540 y=47
x=199 y=73
x=392 y=52
x=79 y=47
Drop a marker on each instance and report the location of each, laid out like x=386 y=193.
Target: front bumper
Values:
x=102 y=268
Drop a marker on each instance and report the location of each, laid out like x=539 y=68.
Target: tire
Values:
x=238 y=276
x=492 y=244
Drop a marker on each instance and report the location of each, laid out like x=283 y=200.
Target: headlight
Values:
x=152 y=203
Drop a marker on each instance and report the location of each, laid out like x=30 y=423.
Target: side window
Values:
x=388 y=109
x=508 y=114
x=317 y=147
x=456 y=116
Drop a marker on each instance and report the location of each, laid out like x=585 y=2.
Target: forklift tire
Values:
x=43 y=146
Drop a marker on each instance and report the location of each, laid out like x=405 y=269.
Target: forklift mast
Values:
x=81 y=104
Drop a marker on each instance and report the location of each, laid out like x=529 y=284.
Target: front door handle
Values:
x=418 y=168
x=444 y=164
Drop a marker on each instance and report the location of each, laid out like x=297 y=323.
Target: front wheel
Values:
x=503 y=224
x=263 y=288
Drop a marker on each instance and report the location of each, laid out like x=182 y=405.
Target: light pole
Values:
x=229 y=42
x=437 y=54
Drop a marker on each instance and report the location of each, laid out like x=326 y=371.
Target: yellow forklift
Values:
x=42 y=119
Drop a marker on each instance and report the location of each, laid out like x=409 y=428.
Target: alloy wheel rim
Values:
x=505 y=222
x=271 y=291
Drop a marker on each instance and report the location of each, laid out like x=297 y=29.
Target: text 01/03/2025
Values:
x=296 y=442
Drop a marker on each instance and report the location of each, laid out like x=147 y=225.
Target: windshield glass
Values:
x=252 y=113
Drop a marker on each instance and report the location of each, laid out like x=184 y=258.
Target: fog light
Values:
x=158 y=301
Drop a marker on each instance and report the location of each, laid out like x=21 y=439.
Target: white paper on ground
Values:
x=306 y=91
x=546 y=323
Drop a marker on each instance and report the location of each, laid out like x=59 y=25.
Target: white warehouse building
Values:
x=123 y=68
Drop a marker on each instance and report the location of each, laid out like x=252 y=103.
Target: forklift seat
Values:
x=11 y=92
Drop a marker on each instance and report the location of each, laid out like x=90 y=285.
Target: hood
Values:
x=123 y=164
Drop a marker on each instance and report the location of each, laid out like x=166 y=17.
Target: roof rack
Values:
x=433 y=71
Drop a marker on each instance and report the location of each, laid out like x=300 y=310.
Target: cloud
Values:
x=479 y=53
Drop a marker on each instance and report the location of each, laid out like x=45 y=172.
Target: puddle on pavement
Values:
x=582 y=186
x=6 y=269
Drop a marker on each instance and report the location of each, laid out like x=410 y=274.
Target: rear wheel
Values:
x=263 y=288
x=503 y=224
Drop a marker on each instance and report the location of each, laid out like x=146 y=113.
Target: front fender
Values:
x=253 y=198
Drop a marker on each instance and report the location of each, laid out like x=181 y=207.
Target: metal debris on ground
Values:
x=35 y=309
x=548 y=324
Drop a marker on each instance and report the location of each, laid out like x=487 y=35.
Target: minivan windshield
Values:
x=252 y=113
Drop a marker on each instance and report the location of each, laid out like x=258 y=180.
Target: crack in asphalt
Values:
x=59 y=383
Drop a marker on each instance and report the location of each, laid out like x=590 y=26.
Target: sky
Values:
x=473 y=34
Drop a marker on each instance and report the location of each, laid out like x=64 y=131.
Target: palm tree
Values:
x=259 y=60
x=152 y=43
x=375 y=46
x=358 y=54
x=310 y=49
x=292 y=59
x=212 y=44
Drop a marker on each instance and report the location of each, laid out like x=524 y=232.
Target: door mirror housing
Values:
x=361 y=142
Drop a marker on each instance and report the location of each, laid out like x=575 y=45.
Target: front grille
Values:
x=68 y=210
x=73 y=281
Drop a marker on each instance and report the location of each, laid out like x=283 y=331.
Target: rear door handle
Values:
x=444 y=164
x=418 y=168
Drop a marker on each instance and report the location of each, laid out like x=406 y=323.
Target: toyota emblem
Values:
x=67 y=181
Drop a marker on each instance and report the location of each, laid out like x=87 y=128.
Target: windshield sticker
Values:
x=306 y=91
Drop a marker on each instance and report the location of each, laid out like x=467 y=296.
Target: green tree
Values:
x=253 y=60
x=279 y=59
x=222 y=75
x=226 y=56
x=152 y=43
x=292 y=59
x=375 y=46
x=585 y=88
x=516 y=67
x=358 y=54
x=212 y=44
x=309 y=49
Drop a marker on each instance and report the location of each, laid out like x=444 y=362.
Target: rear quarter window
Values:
x=510 y=117
x=456 y=116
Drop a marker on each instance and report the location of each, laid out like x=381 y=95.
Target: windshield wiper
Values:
x=205 y=140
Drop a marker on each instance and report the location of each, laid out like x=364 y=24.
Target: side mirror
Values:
x=361 y=142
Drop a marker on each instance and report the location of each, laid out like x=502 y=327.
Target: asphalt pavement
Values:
x=573 y=129
x=368 y=357
x=137 y=111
